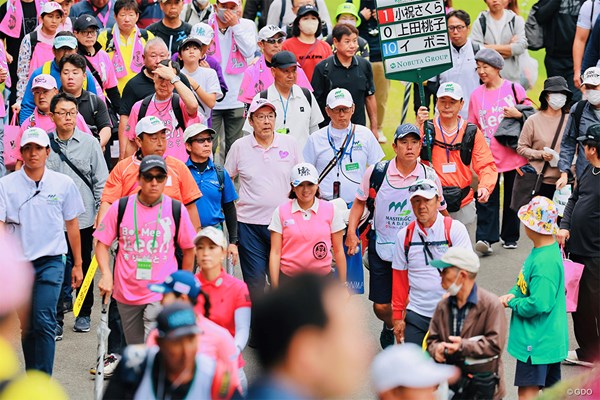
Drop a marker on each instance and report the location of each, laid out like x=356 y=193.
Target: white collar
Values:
x=296 y=207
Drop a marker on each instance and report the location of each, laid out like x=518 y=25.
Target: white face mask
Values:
x=202 y=3
x=308 y=26
x=557 y=100
x=454 y=288
x=593 y=96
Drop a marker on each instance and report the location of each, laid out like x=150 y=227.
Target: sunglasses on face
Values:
x=273 y=41
x=202 y=140
x=160 y=178
x=421 y=186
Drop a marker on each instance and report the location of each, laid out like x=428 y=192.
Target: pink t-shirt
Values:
x=164 y=111
x=264 y=175
x=486 y=110
x=258 y=77
x=102 y=63
x=128 y=289
x=226 y=294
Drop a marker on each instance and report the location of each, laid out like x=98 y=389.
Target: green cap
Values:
x=347 y=8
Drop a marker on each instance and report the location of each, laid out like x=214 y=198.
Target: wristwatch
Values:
x=175 y=79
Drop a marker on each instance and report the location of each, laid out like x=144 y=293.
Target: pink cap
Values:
x=44 y=81
x=16 y=275
x=260 y=102
x=50 y=7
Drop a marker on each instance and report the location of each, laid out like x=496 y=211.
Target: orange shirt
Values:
x=123 y=181
x=482 y=162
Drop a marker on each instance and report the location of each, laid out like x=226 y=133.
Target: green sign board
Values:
x=414 y=39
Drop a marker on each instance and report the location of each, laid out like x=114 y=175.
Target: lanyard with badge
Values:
x=144 y=265
x=343 y=151
x=448 y=167
x=285 y=130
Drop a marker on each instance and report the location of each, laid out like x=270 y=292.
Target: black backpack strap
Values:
x=425 y=151
x=375 y=182
x=308 y=96
x=282 y=12
x=120 y=213
x=64 y=158
x=110 y=45
x=467 y=144
x=178 y=111
x=144 y=107
x=483 y=23
x=577 y=114
x=176 y=208
x=220 y=176
x=34 y=41
x=144 y=34
x=476 y=47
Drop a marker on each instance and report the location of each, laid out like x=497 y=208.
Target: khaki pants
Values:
x=382 y=87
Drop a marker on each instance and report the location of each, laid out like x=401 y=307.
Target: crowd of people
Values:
x=168 y=143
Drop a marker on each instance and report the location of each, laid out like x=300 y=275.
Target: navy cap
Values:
x=85 y=21
x=153 y=161
x=176 y=320
x=182 y=282
x=308 y=8
x=406 y=129
x=592 y=133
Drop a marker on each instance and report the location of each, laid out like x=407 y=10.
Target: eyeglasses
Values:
x=150 y=177
x=273 y=41
x=89 y=32
x=344 y=110
x=421 y=186
x=202 y=140
x=458 y=28
x=63 y=114
x=264 y=117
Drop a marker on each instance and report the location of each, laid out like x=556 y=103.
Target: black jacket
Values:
x=559 y=20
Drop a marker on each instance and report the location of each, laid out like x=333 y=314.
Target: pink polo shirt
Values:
x=258 y=77
x=486 y=110
x=154 y=243
x=164 y=111
x=396 y=179
x=264 y=175
x=226 y=294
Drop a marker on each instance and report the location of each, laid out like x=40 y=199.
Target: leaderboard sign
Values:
x=414 y=39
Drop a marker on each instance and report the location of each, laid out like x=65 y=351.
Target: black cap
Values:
x=153 y=161
x=592 y=133
x=84 y=22
x=283 y=59
x=309 y=8
x=176 y=320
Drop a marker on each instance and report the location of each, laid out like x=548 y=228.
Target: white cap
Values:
x=196 y=129
x=268 y=31
x=450 y=89
x=203 y=32
x=406 y=365
x=50 y=7
x=424 y=188
x=304 y=172
x=35 y=135
x=458 y=257
x=591 y=76
x=149 y=125
x=215 y=235
x=339 y=97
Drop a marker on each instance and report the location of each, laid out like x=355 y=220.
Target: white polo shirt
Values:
x=296 y=115
x=322 y=146
x=264 y=175
x=36 y=214
x=424 y=280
